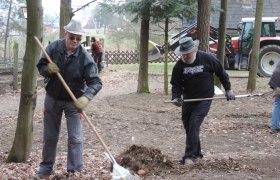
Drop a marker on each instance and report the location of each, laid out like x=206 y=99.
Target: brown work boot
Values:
x=43 y=176
x=73 y=175
x=70 y=174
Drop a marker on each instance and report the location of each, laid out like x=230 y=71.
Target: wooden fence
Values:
x=132 y=57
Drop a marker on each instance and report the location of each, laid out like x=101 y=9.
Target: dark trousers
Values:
x=98 y=60
x=193 y=114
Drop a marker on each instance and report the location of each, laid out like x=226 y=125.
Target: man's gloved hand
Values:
x=178 y=102
x=53 y=68
x=230 y=95
x=81 y=103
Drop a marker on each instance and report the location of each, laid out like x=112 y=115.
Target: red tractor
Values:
x=238 y=49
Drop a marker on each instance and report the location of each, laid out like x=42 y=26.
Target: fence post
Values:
x=87 y=40
x=15 y=67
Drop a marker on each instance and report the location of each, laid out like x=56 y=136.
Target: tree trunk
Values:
x=203 y=24
x=166 y=57
x=221 y=37
x=7 y=31
x=15 y=67
x=254 y=58
x=143 y=82
x=65 y=15
x=24 y=132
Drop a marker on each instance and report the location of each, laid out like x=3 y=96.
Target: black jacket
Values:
x=196 y=80
x=274 y=81
x=78 y=70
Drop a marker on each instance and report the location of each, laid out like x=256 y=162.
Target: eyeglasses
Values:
x=72 y=38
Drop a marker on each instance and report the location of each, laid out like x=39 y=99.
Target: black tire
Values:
x=269 y=57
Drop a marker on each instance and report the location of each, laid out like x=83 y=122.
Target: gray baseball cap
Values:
x=74 y=27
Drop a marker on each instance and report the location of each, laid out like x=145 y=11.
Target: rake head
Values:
x=119 y=172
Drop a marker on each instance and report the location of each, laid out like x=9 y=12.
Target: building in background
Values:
x=238 y=9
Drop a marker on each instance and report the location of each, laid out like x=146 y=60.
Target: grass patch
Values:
x=236 y=73
x=158 y=68
x=154 y=68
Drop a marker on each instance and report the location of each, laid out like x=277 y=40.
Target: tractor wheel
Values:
x=269 y=57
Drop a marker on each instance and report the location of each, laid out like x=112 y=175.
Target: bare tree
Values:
x=222 y=31
x=143 y=82
x=24 y=132
x=7 y=31
x=254 y=59
x=165 y=84
x=203 y=24
x=66 y=15
x=221 y=37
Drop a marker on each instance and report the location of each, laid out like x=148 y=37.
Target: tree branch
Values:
x=83 y=6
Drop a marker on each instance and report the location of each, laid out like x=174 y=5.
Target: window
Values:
x=246 y=4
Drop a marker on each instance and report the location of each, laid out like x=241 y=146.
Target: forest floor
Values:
x=235 y=135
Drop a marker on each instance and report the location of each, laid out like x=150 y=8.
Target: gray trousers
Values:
x=52 y=123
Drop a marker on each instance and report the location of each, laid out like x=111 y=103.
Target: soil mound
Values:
x=144 y=161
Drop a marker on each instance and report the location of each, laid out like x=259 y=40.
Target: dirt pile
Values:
x=143 y=160
x=146 y=161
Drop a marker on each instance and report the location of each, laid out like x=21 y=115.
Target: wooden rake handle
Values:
x=73 y=96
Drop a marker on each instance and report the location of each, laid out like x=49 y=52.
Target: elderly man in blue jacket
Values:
x=80 y=73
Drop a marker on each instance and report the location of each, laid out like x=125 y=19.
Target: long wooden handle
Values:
x=73 y=96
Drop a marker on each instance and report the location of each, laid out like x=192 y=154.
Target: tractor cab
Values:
x=245 y=41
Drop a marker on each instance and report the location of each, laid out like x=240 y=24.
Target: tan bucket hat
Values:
x=74 y=27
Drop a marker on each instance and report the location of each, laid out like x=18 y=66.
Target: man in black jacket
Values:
x=80 y=73
x=192 y=77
